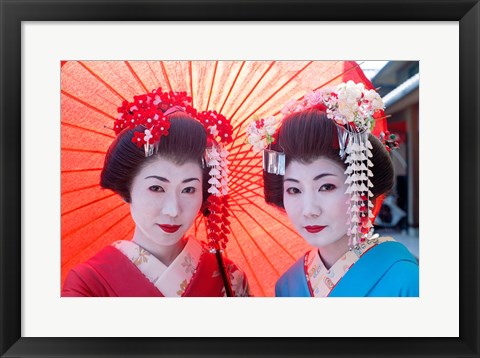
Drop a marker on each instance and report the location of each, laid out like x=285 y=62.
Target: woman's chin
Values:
x=170 y=240
x=321 y=240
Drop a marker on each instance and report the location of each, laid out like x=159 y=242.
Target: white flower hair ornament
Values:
x=260 y=135
x=261 y=132
x=352 y=107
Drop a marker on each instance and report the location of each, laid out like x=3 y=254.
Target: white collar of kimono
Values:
x=323 y=281
x=170 y=280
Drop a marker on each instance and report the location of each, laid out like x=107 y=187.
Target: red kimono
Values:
x=111 y=273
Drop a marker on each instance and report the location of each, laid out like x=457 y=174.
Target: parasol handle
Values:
x=226 y=280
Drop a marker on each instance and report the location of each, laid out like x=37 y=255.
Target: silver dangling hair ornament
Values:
x=273 y=162
x=357 y=154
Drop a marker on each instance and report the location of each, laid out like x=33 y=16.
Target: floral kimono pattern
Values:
x=125 y=269
x=380 y=267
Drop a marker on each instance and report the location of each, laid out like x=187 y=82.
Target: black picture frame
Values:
x=13 y=12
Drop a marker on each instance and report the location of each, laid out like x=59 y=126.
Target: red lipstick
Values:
x=314 y=229
x=169 y=228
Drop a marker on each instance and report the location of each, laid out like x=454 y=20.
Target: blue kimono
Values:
x=386 y=270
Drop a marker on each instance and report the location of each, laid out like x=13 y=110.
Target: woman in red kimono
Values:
x=168 y=168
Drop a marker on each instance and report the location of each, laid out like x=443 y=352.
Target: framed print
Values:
x=38 y=38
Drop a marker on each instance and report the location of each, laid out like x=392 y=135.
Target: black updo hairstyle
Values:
x=308 y=135
x=186 y=142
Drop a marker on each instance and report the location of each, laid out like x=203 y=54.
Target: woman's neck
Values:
x=166 y=254
x=332 y=253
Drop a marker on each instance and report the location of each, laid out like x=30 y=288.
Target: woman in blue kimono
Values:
x=326 y=170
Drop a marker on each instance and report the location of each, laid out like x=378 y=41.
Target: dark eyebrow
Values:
x=316 y=178
x=165 y=180
x=190 y=179
x=323 y=175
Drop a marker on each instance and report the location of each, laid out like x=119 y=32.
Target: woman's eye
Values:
x=189 y=190
x=327 y=187
x=156 y=188
x=293 y=190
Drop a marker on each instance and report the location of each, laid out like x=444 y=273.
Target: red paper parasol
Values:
x=262 y=241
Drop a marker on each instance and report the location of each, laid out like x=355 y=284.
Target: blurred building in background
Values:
x=398 y=84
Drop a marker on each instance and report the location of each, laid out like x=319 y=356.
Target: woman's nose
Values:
x=310 y=207
x=170 y=205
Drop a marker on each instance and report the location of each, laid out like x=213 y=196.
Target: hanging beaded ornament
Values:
x=151 y=111
x=351 y=107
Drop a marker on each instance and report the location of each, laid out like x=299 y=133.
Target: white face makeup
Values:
x=315 y=201
x=166 y=198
